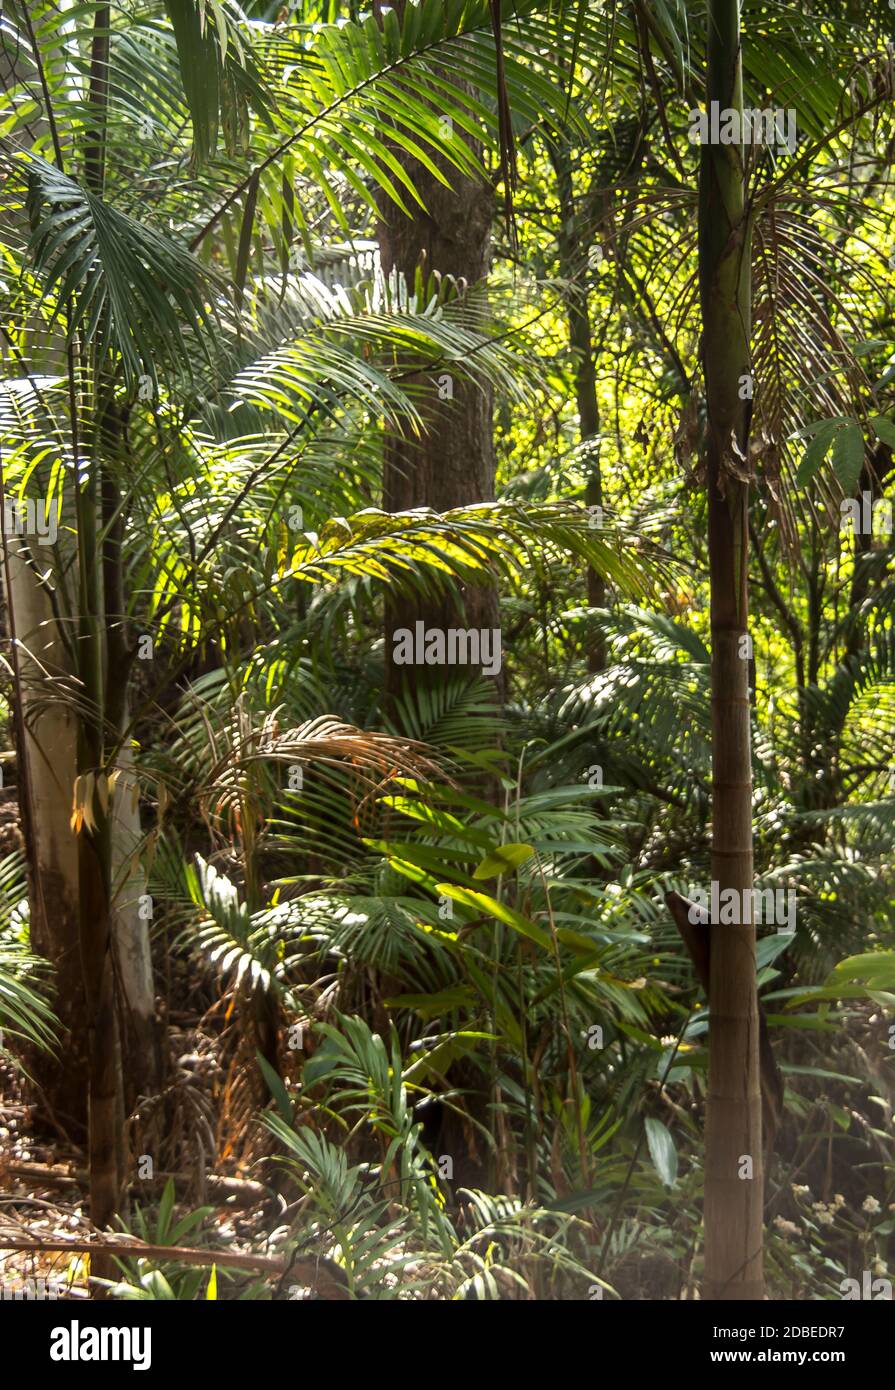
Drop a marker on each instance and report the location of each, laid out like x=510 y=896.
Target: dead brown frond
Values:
x=234 y=785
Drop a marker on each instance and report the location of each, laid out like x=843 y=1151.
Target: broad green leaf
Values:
x=848 y=456
x=768 y=948
x=884 y=429
x=433 y=1005
x=876 y=967
x=490 y=907
x=435 y=1061
x=276 y=1087
x=503 y=860
x=662 y=1151
x=817 y=450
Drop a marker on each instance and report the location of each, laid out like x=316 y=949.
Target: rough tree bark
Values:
x=733 y=1163
x=453 y=464
x=45 y=736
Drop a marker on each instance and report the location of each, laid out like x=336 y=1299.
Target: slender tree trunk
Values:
x=733 y=1165
x=105 y=1104
x=140 y=1034
x=100 y=714
x=572 y=268
x=45 y=731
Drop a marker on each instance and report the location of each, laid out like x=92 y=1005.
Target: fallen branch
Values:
x=177 y=1254
x=308 y=1271
x=240 y=1191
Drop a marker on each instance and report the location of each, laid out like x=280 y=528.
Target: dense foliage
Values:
x=414 y=971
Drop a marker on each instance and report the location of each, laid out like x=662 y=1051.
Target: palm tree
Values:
x=733 y=1164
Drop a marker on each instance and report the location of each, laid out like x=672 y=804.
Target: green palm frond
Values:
x=348 y=98
x=26 y=1014
x=116 y=282
x=221 y=78
x=465 y=542
x=457 y=715
x=257 y=950
x=380 y=345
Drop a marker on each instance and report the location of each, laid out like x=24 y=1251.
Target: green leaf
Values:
x=848 y=456
x=768 y=948
x=884 y=429
x=789 y=1069
x=876 y=967
x=490 y=907
x=435 y=1061
x=121 y=284
x=817 y=450
x=503 y=860
x=321 y=1064
x=199 y=72
x=662 y=1151
x=433 y=1005
x=245 y=237
x=276 y=1088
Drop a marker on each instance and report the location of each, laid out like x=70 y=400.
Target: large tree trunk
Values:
x=45 y=734
x=46 y=761
x=453 y=464
x=733 y=1165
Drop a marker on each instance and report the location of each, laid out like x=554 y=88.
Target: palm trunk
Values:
x=106 y=1094
x=733 y=1164
x=571 y=265
x=140 y=1034
x=105 y=1105
x=46 y=760
x=45 y=731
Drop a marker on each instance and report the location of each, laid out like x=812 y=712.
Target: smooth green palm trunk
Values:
x=733 y=1163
